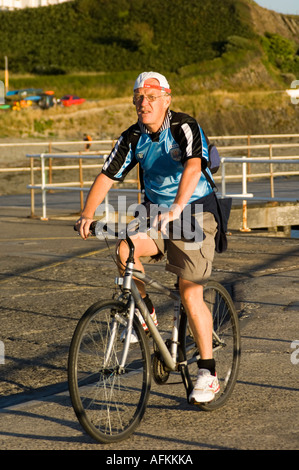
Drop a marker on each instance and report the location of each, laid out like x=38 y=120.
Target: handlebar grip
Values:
x=105 y=228
x=92 y=228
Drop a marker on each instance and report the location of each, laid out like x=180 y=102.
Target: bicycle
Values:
x=110 y=378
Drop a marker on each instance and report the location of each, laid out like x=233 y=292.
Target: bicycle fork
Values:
x=175 y=330
x=128 y=324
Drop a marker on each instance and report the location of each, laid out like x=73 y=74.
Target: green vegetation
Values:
x=282 y=53
x=118 y=35
x=108 y=39
x=90 y=85
x=221 y=62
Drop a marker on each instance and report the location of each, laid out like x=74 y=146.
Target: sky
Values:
x=290 y=7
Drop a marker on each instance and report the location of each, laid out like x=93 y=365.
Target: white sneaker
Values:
x=141 y=319
x=134 y=338
x=205 y=388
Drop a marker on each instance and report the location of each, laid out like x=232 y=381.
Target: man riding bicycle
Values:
x=172 y=178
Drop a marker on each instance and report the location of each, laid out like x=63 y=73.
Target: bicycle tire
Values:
x=108 y=403
x=226 y=352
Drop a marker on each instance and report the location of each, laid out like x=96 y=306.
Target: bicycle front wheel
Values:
x=109 y=400
x=226 y=345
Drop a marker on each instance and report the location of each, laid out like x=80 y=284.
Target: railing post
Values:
x=138 y=184
x=244 y=228
x=271 y=172
x=248 y=154
x=43 y=175
x=50 y=171
x=32 y=184
x=81 y=184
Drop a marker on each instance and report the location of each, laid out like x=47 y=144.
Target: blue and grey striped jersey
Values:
x=161 y=156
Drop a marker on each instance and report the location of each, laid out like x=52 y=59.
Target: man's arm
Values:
x=118 y=164
x=96 y=195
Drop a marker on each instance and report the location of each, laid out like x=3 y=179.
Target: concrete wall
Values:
x=270 y=215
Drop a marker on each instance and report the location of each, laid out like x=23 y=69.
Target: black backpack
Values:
x=214 y=159
x=223 y=204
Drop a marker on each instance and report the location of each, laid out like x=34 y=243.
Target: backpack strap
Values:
x=134 y=133
x=174 y=127
x=133 y=136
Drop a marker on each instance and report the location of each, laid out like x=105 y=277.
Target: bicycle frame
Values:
x=109 y=377
x=132 y=294
x=169 y=357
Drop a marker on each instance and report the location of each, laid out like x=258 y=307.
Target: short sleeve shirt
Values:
x=161 y=156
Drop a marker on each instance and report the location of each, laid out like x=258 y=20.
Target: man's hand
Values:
x=82 y=226
x=161 y=221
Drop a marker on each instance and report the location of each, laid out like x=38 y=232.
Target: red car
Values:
x=69 y=100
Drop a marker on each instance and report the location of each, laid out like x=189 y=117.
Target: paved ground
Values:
x=49 y=276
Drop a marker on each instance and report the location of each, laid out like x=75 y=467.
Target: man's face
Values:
x=151 y=113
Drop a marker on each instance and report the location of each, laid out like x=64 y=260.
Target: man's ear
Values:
x=167 y=102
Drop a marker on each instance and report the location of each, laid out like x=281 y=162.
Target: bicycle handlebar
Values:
x=92 y=228
x=120 y=235
x=105 y=228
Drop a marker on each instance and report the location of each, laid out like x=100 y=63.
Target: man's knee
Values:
x=190 y=291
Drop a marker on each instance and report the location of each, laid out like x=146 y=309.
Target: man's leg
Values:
x=201 y=324
x=199 y=316
x=144 y=247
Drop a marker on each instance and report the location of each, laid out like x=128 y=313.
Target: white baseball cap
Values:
x=164 y=85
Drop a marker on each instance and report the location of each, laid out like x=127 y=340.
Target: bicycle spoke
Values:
x=109 y=400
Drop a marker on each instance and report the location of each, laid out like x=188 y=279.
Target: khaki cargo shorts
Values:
x=190 y=260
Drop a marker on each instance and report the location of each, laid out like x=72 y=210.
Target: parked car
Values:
x=69 y=100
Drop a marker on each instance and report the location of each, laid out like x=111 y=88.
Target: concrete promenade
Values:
x=49 y=277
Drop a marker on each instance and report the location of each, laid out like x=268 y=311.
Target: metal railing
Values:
x=84 y=185
x=80 y=185
x=244 y=195
x=230 y=163
x=109 y=144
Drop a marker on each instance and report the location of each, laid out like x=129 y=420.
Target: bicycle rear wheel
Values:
x=226 y=345
x=109 y=402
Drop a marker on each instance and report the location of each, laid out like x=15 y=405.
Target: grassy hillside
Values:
x=219 y=112
x=215 y=53
x=118 y=35
x=114 y=35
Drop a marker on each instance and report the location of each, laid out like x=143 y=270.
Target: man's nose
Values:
x=142 y=98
